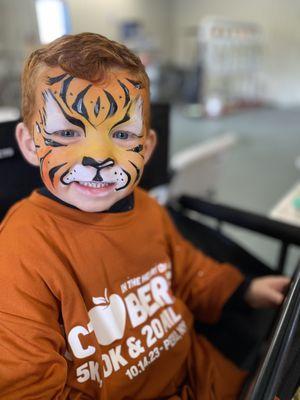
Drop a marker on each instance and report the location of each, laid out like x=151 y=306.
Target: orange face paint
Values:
x=90 y=137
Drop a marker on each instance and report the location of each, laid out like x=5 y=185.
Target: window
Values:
x=53 y=19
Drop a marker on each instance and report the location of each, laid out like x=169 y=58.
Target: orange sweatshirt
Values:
x=101 y=306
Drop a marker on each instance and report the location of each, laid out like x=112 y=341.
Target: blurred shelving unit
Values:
x=231 y=55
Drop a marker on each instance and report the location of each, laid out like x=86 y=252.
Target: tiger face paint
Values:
x=90 y=138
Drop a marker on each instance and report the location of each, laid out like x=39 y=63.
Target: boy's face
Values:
x=90 y=139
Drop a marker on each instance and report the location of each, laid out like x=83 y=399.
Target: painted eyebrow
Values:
x=122 y=121
x=55 y=79
x=72 y=120
x=126 y=118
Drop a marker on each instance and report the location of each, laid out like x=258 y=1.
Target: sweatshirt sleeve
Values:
x=204 y=284
x=32 y=365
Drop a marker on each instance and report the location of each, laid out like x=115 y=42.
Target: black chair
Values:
x=18 y=178
x=233 y=334
x=279 y=373
x=157 y=172
x=286 y=234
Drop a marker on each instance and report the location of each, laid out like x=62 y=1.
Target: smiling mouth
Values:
x=96 y=185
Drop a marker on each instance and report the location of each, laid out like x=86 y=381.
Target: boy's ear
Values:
x=26 y=144
x=150 y=144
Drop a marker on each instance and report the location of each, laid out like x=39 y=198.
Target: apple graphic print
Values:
x=108 y=318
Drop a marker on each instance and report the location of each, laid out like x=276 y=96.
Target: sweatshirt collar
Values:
x=108 y=220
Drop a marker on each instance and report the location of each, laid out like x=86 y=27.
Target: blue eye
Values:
x=67 y=133
x=121 y=135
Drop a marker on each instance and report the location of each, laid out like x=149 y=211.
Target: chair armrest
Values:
x=272 y=369
x=278 y=230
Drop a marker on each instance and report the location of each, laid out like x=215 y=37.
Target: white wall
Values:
x=171 y=24
x=18 y=32
x=280 y=22
x=104 y=17
x=18 y=36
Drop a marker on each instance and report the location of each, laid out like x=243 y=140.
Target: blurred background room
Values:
x=230 y=71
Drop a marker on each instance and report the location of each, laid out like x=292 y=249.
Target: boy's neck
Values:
x=125 y=204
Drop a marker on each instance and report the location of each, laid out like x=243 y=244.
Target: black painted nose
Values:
x=91 y=162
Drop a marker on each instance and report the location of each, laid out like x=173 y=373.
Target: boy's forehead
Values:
x=94 y=102
x=54 y=76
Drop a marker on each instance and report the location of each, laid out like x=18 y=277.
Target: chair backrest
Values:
x=157 y=170
x=18 y=178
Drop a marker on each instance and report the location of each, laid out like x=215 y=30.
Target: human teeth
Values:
x=96 y=185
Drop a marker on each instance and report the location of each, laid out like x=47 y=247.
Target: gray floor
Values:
x=258 y=170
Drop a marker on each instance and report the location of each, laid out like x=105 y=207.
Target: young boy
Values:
x=98 y=289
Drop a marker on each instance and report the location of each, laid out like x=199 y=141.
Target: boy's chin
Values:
x=90 y=202
x=94 y=206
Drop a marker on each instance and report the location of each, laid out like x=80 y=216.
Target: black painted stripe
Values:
x=42 y=159
x=55 y=79
x=126 y=92
x=136 y=84
x=64 y=89
x=72 y=120
x=53 y=171
x=138 y=172
x=122 y=121
x=97 y=107
x=53 y=143
x=38 y=127
x=137 y=150
x=62 y=177
x=78 y=104
x=112 y=105
x=44 y=116
x=41 y=119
